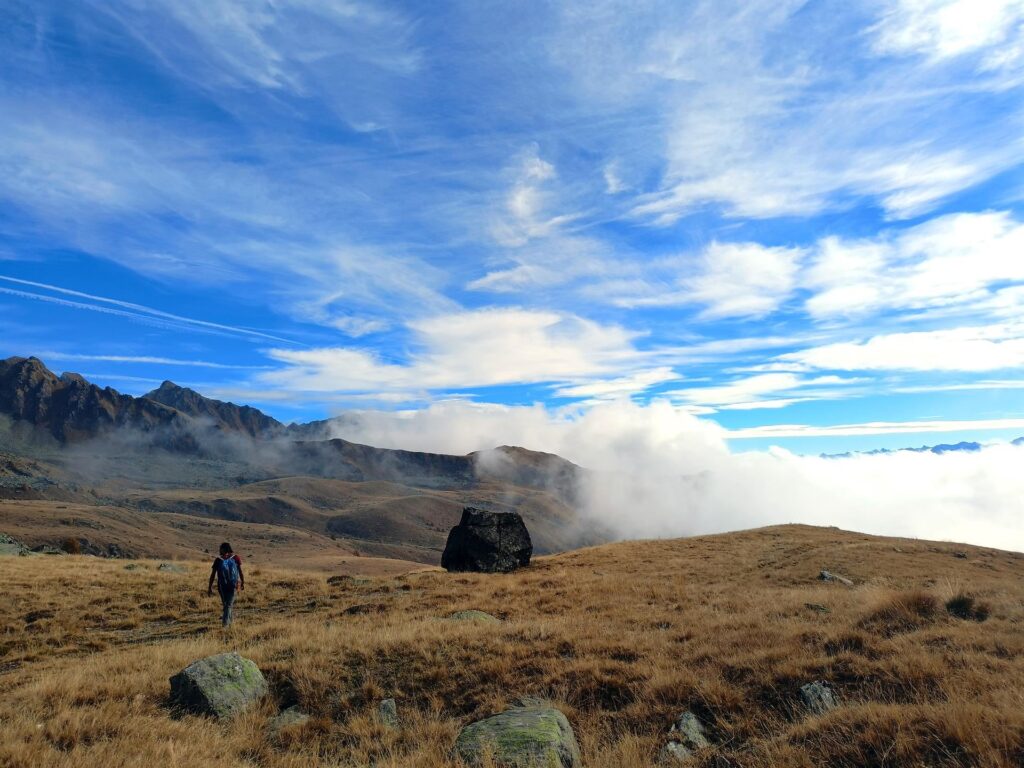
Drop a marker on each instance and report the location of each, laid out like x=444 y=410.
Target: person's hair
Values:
x=225 y=549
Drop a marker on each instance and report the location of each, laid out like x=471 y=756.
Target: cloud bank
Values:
x=659 y=471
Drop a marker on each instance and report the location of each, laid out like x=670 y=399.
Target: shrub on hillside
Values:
x=901 y=613
x=966 y=607
x=72 y=546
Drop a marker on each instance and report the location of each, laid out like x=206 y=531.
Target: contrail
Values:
x=136 y=309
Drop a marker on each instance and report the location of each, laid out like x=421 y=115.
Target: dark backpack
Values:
x=228 y=572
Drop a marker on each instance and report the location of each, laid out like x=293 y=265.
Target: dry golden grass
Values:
x=622 y=637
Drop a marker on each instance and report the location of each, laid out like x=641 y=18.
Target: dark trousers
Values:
x=227 y=599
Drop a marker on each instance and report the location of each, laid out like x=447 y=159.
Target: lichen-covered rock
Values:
x=480 y=616
x=387 y=713
x=818 y=697
x=487 y=542
x=522 y=737
x=686 y=736
x=222 y=685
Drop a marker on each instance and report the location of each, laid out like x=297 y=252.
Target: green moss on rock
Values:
x=523 y=737
x=221 y=686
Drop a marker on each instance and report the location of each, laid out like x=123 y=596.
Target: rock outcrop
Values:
x=487 y=542
x=222 y=686
x=521 y=737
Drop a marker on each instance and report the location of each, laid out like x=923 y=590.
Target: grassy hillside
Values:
x=188 y=537
x=621 y=637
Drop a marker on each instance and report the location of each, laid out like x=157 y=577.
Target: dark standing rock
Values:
x=521 y=737
x=222 y=686
x=818 y=697
x=387 y=711
x=487 y=542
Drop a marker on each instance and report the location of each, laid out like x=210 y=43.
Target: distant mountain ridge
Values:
x=964 y=446
x=173 y=450
x=236 y=418
x=72 y=409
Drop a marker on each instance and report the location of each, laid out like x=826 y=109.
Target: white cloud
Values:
x=763 y=111
x=944 y=29
x=525 y=212
x=757 y=391
x=948 y=260
x=727 y=279
x=744 y=279
x=987 y=348
x=610 y=389
x=874 y=428
x=468 y=349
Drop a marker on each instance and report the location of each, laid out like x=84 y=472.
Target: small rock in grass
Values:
x=289 y=718
x=829 y=576
x=387 y=712
x=475 y=616
x=222 y=686
x=521 y=737
x=818 y=697
x=686 y=737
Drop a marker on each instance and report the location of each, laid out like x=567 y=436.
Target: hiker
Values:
x=227 y=569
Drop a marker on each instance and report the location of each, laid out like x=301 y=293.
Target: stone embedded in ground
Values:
x=487 y=542
x=521 y=737
x=480 y=616
x=686 y=737
x=292 y=717
x=818 y=697
x=10 y=546
x=387 y=712
x=221 y=686
x=829 y=576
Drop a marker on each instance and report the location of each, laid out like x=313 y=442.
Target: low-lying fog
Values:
x=662 y=472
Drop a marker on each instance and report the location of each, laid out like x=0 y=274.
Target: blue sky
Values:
x=801 y=220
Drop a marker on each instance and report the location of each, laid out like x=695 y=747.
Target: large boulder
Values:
x=222 y=686
x=522 y=737
x=487 y=542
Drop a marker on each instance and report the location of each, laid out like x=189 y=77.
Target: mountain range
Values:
x=173 y=451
